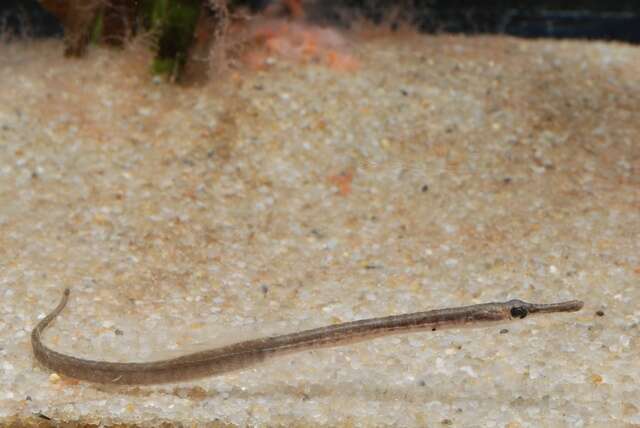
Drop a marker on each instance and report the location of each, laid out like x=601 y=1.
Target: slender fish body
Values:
x=248 y=353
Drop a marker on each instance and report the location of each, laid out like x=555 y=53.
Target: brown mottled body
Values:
x=245 y=354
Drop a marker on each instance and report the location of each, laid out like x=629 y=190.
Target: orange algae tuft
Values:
x=298 y=42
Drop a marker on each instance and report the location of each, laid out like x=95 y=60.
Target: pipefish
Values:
x=247 y=353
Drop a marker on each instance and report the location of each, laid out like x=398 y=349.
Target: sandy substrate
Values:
x=446 y=171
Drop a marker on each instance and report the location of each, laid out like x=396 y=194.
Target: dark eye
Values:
x=519 y=312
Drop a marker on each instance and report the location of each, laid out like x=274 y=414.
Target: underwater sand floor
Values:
x=444 y=171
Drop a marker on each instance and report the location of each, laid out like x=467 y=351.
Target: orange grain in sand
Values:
x=343 y=182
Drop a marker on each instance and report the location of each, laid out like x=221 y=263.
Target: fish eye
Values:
x=519 y=312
